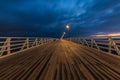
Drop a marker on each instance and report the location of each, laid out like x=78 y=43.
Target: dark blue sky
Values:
x=49 y=17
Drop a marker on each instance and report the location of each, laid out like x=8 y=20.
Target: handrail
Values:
x=10 y=45
x=109 y=44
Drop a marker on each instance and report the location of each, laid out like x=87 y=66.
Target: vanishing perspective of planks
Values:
x=60 y=60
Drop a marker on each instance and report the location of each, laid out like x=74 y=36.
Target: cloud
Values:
x=86 y=17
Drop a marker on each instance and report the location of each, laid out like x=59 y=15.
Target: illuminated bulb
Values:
x=67 y=26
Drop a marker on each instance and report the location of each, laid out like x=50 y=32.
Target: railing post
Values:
x=8 y=45
x=69 y=39
x=41 y=41
x=109 y=44
x=82 y=42
x=76 y=39
x=27 y=42
x=46 y=40
x=79 y=40
x=92 y=42
x=36 y=41
x=85 y=42
x=49 y=40
x=113 y=43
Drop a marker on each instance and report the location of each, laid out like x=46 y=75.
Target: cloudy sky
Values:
x=49 y=17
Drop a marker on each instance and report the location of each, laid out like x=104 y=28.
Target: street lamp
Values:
x=63 y=35
x=68 y=28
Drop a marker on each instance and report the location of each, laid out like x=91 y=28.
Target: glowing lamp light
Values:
x=67 y=27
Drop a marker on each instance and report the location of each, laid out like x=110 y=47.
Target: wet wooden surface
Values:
x=60 y=60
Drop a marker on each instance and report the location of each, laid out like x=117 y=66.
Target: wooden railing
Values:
x=10 y=45
x=107 y=44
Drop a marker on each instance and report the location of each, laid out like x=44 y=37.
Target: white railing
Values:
x=107 y=44
x=10 y=45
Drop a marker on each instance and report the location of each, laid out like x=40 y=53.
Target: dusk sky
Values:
x=49 y=17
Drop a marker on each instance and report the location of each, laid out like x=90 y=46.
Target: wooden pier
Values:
x=60 y=60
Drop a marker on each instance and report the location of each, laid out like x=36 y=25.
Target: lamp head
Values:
x=67 y=27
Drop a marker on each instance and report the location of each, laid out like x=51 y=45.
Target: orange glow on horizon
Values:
x=110 y=34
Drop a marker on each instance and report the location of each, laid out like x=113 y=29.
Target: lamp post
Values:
x=63 y=35
x=68 y=28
